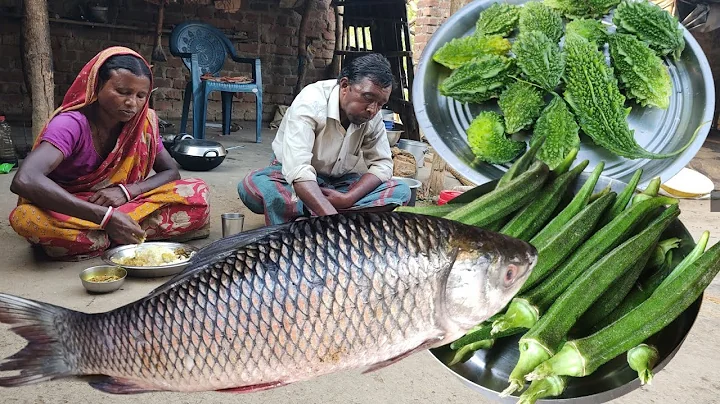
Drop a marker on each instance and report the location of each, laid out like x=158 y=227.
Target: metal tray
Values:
x=488 y=370
x=148 y=271
x=444 y=121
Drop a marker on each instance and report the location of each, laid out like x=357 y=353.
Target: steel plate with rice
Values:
x=151 y=259
x=692 y=106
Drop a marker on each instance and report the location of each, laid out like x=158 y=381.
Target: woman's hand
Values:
x=113 y=196
x=338 y=199
x=123 y=229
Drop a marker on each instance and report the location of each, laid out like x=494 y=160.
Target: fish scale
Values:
x=314 y=297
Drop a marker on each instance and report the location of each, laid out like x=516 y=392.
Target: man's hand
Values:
x=312 y=196
x=113 y=196
x=338 y=199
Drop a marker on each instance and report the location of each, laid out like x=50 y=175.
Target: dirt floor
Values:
x=693 y=376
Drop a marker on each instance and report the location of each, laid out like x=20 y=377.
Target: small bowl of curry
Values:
x=103 y=278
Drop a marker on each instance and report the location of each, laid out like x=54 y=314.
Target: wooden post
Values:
x=303 y=54
x=436 y=182
x=37 y=62
x=336 y=64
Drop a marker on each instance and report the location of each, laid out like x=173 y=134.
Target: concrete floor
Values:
x=693 y=376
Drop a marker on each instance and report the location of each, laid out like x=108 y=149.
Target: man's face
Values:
x=362 y=101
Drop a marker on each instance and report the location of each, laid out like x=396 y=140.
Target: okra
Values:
x=597 y=195
x=526 y=308
x=661 y=251
x=566 y=240
x=566 y=163
x=694 y=255
x=583 y=356
x=548 y=387
x=639 y=295
x=545 y=337
x=612 y=297
x=521 y=165
x=643 y=359
x=466 y=352
x=530 y=219
x=579 y=202
x=652 y=190
x=431 y=210
x=503 y=200
x=483 y=334
x=625 y=196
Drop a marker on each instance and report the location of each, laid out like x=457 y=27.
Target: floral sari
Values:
x=177 y=210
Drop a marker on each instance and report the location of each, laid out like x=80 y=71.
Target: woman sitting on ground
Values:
x=87 y=182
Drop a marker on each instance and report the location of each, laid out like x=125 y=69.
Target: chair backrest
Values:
x=208 y=42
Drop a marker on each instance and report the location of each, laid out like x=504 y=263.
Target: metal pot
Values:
x=196 y=154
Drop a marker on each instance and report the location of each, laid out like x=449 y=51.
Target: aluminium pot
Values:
x=196 y=154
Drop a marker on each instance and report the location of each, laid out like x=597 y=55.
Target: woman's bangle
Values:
x=126 y=192
x=107 y=217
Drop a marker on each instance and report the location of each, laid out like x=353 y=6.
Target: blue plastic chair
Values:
x=204 y=49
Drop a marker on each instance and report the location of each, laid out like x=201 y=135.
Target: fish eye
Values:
x=510 y=274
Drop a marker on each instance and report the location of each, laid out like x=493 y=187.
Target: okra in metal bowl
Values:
x=488 y=370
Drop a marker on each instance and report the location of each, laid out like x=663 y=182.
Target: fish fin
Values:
x=119 y=385
x=216 y=251
x=41 y=359
x=253 y=387
x=427 y=344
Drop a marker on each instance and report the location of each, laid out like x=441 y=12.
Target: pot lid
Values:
x=199 y=148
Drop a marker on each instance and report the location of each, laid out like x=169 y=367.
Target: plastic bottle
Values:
x=7 y=149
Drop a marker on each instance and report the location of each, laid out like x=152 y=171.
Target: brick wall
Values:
x=271 y=34
x=430 y=15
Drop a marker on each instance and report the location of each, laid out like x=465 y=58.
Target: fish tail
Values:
x=41 y=359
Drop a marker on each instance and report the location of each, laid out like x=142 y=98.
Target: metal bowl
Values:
x=445 y=121
x=148 y=271
x=488 y=370
x=103 y=270
x=394 y=136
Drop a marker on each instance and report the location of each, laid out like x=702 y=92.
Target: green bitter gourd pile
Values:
x=555 y=80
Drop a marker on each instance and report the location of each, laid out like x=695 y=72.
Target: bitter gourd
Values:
x=640 y=71
x=557 y=125
x=521 y=104
x=593 y=94
x=462 y=50
x=539 y=58
x=479 y=80
x=592 y=30
x=500 y=18
x=487 y=139
x=582 y=8
x=650 y=24
x=536 y=16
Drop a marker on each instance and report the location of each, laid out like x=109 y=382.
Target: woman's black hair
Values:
x=373 y=66
x=128 y=62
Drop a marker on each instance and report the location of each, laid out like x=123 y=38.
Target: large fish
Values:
x=280 y=305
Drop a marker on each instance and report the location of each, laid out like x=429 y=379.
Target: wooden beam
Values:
x=436 y=182
x=336 y=60
x=303 y=55
x=37 y=62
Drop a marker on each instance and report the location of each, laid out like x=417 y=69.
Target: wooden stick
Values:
x=158 y=54
x=460 y=177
